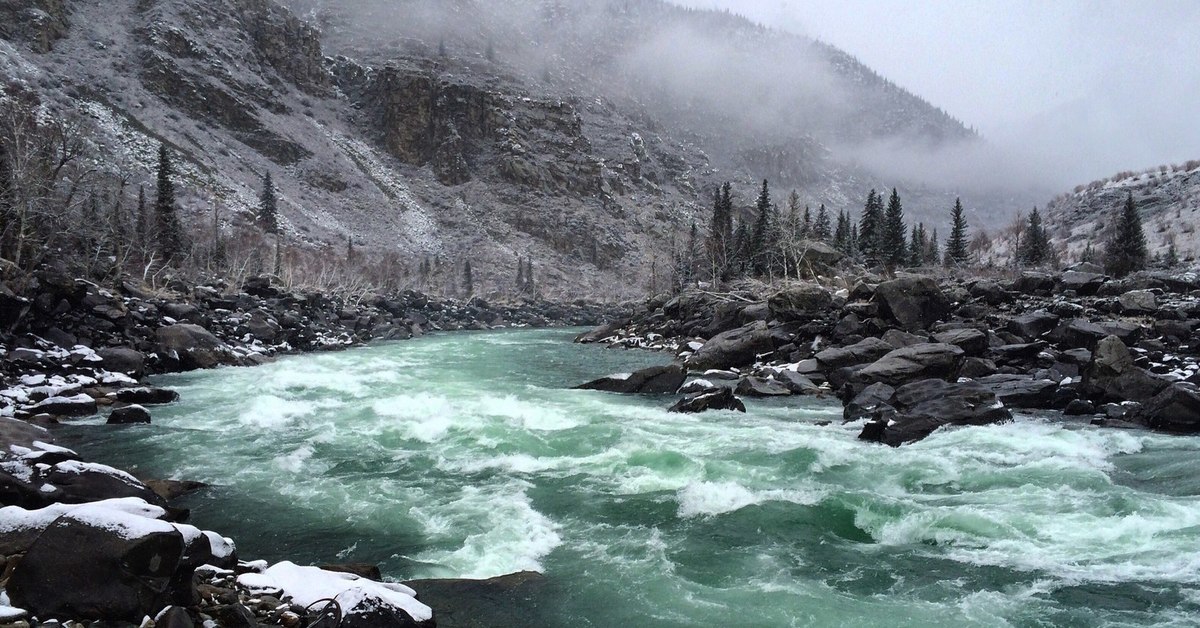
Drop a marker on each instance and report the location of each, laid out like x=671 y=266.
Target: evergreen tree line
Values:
x=773 y=243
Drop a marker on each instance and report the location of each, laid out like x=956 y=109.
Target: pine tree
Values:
x=870 y=229
x=1126 y=251
x=933 y=254
x=170 y=231
x=719 y=232
x=895 y=249
x=1172 y=256
x=957 y=253
x=760 y=239
x=841 y=235
x=821 y=227
x=741 y=248
x=529 y=284
x=854 y=250
x=916 y=247
x=268 y=211
x=468 y=280
x=806 y=228
x=1037 y=245
x=142 y=227
x=349 y=248
x=1089 y=253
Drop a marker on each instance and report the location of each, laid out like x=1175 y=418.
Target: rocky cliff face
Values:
x=431 y=160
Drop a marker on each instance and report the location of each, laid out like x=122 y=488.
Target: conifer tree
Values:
x=895 y=249
x=916 y=247
x=821 y=226
x=760 y=238
x=854 y=250
x=142 y=226
x=806 y=228
x=957 y=253
x=741 y=248
x=170 y=231
x=468 y=280
x=720 y=231
x=520 y=274
x=1126 y=250
x=349 y=248
x=530 y=286
x=268 y=210
x=1036 y=250
x=841 y=235
x=1089 y=253
x=870 y=229
x=933 y=254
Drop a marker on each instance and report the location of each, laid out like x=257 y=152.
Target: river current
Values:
x=466 y=455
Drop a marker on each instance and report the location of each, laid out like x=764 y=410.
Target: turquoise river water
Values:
x=466 y=455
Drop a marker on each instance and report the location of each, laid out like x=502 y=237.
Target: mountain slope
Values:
x=590 y=144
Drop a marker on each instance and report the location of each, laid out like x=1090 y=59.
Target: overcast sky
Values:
x=1085 y=87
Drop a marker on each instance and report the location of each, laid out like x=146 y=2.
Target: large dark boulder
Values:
x=123 y=360
x=1084 y=284
x=600 y=333
x=913 y=302
x=736 y=347
x=1175 y=409
x=719 y=399
x=922 y=407
x=801 y=302
x=865 y=351
x=1112 y=375
x=1021 y=391
x=94 y=563
x=1138 y=302
x=867 y=402
x=972 y=341
x=918 y=362
x=759 y=387
x=1078 y=334
x=520 y=599
x=193 y=346
x=81 y=482
x=1032 y=325
x=1034 y=283
x=654 y=380
x=128 y=415
x=147 y=395
x=76 y=405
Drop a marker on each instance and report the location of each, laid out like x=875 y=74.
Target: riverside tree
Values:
x=1036 y=250
x=1126 y=250
x=870 y=229
x=268 y=206
x=763 y=237
x=957 y=253
x=468 y=280
x=822 y=229
x=166 y=214
x=894 y=250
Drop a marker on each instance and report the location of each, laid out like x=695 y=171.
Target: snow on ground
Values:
x=309 y=585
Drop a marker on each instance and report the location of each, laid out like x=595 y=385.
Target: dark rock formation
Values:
x=654 y=380
x=720 y=399
x=922 y=407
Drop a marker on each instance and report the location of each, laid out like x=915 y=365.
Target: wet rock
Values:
x=77 y=405
x=737 y=347
x=128 y=415
x=922 y=407
x=1079 y=407
x=759 y=387
x=146 y=395
x=719 y=399
x=1021 y=391
x=1138 y=302
x=123 y=360
x=867 y=402
x=918 y=362
x=1112 y=374
x=797 y=383
x=173 y=617
x=863 y=352
x=370 y=571
x=171 y=489
x=653 y=380
x=1175 y=409
x=913 y=302
x=193 y=346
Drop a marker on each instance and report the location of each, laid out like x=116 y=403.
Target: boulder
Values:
x=797 y=383
x=989 y=292
x=1032 y=325
x=1034 y=283
x=1083 y=283
x=1138 y=302
x=194 y=346
x=1175 y=409
x=972 y=341
x=759 y=387
x=899 y=339
x=128 y=414
x=76 y=405
x=370 y=571
x=654 y=380
x=913 y=302
x=1077 y=334
x=736 y=347
x=867 y=402
x=918 y=362
x=94 y=563
x=922 y=407
x=146 y=395
x=1112 y=375
x=77 y=482
x=719 y=399
x=863 y=352
x=600 y=333
x=801 y=302
x=1021 y=391
x=123 y=360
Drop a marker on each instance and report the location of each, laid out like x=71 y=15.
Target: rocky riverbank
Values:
x=86 y=544
x=907 y=355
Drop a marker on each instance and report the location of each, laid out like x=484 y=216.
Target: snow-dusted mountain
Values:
x=586 y=136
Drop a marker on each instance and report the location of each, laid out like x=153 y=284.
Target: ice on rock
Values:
x=308 y=585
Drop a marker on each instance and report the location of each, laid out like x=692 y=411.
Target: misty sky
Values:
x=1080 y=88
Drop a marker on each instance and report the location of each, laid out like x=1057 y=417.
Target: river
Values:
x=466 y=455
